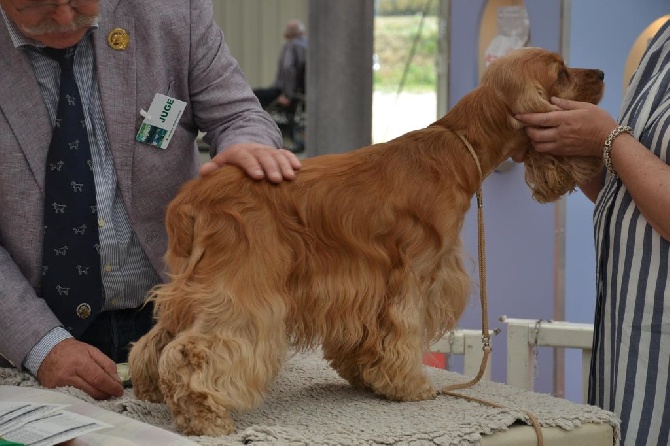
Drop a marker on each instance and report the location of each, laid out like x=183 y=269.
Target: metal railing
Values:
x=467 y=343
x=525 y=335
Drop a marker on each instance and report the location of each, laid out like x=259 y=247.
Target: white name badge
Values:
x=160 y=122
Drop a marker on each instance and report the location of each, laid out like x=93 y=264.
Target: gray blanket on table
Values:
x=310 y=404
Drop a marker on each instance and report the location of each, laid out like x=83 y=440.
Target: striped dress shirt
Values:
x=631 y=361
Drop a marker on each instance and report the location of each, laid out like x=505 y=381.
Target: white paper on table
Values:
x=13 y=415
x=47 y=424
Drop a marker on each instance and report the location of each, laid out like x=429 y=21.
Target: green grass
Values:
x=394 y=40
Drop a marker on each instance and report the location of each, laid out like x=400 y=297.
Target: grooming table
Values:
x=311 y=405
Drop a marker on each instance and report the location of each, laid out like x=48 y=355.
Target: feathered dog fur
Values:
x=360 y=254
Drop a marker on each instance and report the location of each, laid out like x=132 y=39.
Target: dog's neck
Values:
x=483 y=118
x=474 y=155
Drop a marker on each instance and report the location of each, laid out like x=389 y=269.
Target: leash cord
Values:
x=486 y=336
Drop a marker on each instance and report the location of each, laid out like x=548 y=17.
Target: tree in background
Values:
x=405 y=7
x=405 y=45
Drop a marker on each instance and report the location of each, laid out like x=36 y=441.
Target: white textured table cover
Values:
x=310 y=404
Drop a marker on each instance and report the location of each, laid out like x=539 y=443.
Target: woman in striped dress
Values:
x=631 y=360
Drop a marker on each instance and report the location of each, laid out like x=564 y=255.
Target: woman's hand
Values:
x=573 y=129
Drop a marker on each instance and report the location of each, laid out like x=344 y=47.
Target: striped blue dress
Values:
x=631 y=348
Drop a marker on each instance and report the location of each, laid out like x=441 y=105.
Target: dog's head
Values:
x=526 y=78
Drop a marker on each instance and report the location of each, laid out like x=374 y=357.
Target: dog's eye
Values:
x=563 y=75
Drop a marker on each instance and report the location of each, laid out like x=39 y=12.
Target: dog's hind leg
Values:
x=194 y=384
x=143 y=363
x=205 y=373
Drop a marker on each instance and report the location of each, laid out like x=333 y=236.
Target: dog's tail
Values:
x=181 y=257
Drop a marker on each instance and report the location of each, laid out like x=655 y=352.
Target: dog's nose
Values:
x=601 y=74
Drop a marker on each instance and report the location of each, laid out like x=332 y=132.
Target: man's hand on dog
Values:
x=257 y=160
x=74 y=363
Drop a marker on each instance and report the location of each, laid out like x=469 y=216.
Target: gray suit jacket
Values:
x=175 y=49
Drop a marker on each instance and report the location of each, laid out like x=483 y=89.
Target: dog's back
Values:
x=335 y=236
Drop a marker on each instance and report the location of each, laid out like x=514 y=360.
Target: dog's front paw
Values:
x=148 y=394
x=145 y=388
x=427 y=393
x=205 y=424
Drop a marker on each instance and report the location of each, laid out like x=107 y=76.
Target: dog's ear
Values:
x=533 y=99
x=515 y=123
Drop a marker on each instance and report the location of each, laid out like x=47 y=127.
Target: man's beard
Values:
x=50 y=27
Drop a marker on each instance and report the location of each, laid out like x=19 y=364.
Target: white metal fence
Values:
x=469 y=344
x=524 y=336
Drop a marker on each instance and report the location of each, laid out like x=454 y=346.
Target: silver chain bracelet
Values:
x=607 y=149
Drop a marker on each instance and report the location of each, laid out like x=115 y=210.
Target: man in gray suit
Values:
x=127 y=52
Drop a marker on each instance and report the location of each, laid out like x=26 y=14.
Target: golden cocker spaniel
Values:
x=360 y=254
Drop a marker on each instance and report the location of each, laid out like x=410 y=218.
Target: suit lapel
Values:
x=116 y=73
x=22 y=105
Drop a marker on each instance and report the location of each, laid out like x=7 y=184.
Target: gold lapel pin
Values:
x=118 y=39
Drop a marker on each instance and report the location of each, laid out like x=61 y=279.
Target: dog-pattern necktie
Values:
x=71 y=282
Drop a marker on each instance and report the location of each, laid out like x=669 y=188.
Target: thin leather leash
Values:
x=486 y=336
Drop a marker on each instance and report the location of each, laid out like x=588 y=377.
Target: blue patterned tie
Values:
x=71 y=282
